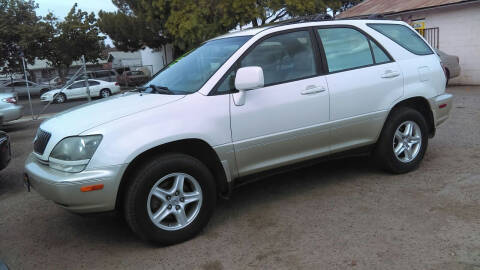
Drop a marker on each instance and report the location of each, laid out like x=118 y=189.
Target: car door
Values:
x=363 y=81
x=286 y=120
x=76 y=90
x=94 y=87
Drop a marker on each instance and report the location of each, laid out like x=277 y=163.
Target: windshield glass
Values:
x=191 y=71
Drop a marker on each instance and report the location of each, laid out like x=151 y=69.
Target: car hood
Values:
x=51 y=92
x=84 y=117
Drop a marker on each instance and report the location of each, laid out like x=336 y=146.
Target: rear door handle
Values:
x=390 y=74
x=312 y=89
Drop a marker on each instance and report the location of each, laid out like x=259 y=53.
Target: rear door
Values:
x=363 y=80
x=94 y=87
x=286 y=120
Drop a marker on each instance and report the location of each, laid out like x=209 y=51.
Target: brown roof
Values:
x=369 y=7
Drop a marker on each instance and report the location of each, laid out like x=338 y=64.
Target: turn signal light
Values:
x=91 y=188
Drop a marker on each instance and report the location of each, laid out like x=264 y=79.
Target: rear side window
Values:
x=92 y=83
x=20 y=84
x=345 y=48
x=404 y=37
x=102 y=74
x=379 y=54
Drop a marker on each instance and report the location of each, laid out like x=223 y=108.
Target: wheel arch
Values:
x=196 y=148
x=420 y=104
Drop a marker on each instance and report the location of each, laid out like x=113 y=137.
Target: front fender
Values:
x=195 y=117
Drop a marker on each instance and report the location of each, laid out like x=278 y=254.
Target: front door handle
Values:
x=312 y=89
x=390 y=74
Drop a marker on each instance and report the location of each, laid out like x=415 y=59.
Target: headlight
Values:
x=72 y=154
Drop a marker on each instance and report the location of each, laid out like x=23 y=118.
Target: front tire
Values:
x=170 y=199
x=60 y=98
x=403 y=141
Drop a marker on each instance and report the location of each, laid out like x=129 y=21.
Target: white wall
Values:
x=459 y=34
x=155 y=60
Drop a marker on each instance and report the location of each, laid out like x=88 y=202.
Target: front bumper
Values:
x=441 y=106
x=46 y=99
x=64 y=188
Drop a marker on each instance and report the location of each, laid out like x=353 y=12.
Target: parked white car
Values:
x=78 y=89
x=238 y=107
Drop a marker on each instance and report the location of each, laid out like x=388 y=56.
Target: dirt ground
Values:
x=343 y=214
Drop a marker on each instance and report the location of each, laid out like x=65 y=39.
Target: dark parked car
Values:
x=20 y=87
x=5 y=152
x=132 y=78
x=104 y=75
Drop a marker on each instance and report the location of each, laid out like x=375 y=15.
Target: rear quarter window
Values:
x=403 y=36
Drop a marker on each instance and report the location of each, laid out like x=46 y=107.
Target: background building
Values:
x=452 y=26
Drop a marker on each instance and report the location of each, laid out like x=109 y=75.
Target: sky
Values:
x=61 y=8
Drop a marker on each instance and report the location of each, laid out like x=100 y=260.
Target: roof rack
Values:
x=311 y=18
x=367 y=17
x=323 y=17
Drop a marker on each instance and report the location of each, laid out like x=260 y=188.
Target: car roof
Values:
x=246 y=32
x=304 y=23
x=89 y=80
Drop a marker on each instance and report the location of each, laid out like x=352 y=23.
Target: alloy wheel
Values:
x=105 y=94
x=60 y=99
x=174 y=201
x=407 y=141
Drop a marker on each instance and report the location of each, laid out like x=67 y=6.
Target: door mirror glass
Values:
x=249 y=78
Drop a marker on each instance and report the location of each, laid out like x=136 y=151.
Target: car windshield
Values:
x=190 y=72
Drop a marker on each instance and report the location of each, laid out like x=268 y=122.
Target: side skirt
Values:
x=361 y=151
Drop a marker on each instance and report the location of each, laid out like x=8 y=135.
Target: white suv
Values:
x=240 y=106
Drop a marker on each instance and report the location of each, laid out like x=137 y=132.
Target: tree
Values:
x=187 y=23
x=19 y=34
x=342 y=5
x=67 y=40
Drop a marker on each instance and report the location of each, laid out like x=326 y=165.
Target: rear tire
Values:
x=104 y=93
x=400 y=149
x=159 y=212
x=448 y=77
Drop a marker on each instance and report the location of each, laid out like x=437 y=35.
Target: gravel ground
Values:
x=343 y=214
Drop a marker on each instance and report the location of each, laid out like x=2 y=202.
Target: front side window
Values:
x=190 y=72
x=77 y=85
x=404 y=37
x=345 y=48
x=283 y=58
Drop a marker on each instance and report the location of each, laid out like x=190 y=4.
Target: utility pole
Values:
x=26 y=82
x=85 y=76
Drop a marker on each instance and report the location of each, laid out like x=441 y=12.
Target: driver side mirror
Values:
x=247 y=78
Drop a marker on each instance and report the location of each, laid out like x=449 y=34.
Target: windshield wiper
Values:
x=161 y=89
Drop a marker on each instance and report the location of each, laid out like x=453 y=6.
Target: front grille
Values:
x=41 y=141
